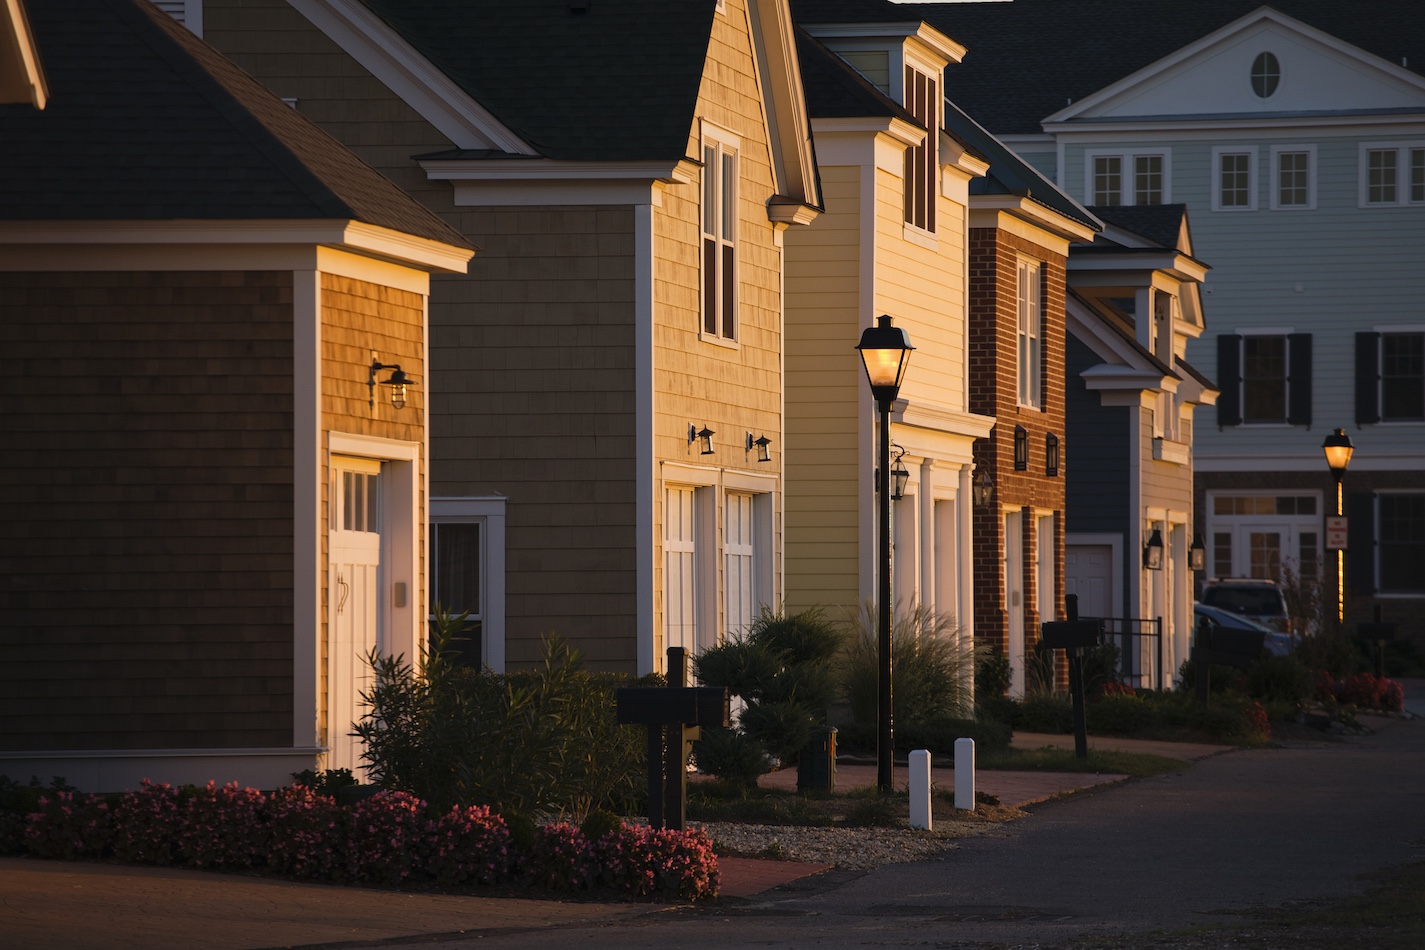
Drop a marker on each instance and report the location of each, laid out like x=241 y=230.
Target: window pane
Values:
x=1236 y=181
x=729 y=195
x=455 y=567
x=1402 y=543
x=1381 y=172
x=1148 y=180
x=729 y=295
x=1292 y=179
x=1108 y=180
x=1222 y=554
x=1306 y=560
x=1417 y=175
x=1402 y=376
x=1264 y=375
x=710 y=284
x=1266 y=74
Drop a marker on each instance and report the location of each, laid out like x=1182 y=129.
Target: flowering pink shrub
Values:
x=643 y=860
x=68 y=827
x=562 y=860
x=1115 y=688
x=309 y=834
x=1365 y=690
x=388 y=839
x=1257 y=719
x=223 y=828
x=147 y=825
x=468 y=845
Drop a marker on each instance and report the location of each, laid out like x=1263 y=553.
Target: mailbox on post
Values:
x=1074 y=636
x=1375 y=634
x=673 y=715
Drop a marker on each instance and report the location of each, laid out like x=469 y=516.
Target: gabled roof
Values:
x=1008 y=173
x=1160 y=224
x=1028 y=59
x=835 y=90
x=21 y=79
x=148 y=123
x=607 y=80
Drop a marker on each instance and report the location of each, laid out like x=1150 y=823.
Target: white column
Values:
x=928 y=569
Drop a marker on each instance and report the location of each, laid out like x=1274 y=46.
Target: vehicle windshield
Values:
x=1258 y=601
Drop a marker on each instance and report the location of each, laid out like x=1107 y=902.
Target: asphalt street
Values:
x=1241 y=831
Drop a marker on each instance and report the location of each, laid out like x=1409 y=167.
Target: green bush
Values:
x=939 y=735
x=1046 y=712
x=992 y=676
x=543 y=741
x=732 y=756
x=1123 y=715
x=1335 y=653
x=1280 y=679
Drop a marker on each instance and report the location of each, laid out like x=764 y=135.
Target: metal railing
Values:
x=1129 y=635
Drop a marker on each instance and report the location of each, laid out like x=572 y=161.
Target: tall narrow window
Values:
x=740 y=567
x=1380 y=171
x=1108 y=180
x=680 y=576
x=1030 y=325
x=719 y=264
x=1148 y=180
x=1294 y=168
x=1234 y=181
x=1401 y=543
x=1402 y=377
x=1417 y=175
x=1264 y=378
x=455 y=581
x=922 y=100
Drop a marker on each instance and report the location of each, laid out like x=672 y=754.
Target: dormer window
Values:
x=719 y=239
x=922 y=100
x=1266 y=75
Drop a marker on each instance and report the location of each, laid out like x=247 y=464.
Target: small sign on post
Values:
x=1336 y=532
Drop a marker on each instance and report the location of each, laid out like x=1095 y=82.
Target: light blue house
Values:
x=1295 y=135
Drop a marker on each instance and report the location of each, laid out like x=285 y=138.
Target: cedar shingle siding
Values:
x=146 y=515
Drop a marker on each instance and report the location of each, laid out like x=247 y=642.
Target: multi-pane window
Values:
x=1393 y=175
x=1031 y=315
x=719 y=264
x=739 y=547
x=455 y=575
x=922 y=100
x=1264 y=378
x=1400 y=538
x=1293 y=186
x=1140 y=179
x=1234 y=181
x=1266 y=75
x=1402 y=377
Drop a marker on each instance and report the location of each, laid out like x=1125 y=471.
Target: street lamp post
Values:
x=885 y=351
x=1338 y=449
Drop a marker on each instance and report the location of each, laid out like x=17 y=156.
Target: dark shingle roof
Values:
x=617 y=82
x=1161 y=224
x=147 y=122
x=1028 y=57
x=834 y=90
x=1009 y=174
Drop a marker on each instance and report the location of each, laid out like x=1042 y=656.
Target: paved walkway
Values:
x=58 y=905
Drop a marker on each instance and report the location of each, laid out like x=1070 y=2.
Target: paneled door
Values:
x=354 y=628
x=680 y=603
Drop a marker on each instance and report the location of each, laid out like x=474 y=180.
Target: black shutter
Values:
x=1229 y=379
x=1361 y=542
x=1367 y=378
x=1298 y=384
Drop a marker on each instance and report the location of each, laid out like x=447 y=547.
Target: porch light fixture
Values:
x=982 y=490
x=1051 y=455
x=1197 y=554
x=885 y=351
x=1021 y=449
x=398 y=381
x=1338 y=449
x=760 y=446
x=703 y=437
x=1153 y=551
x=900 y=475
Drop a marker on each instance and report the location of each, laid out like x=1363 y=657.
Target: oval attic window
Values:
x=1266 y=74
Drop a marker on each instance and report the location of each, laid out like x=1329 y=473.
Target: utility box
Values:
x=816 y=765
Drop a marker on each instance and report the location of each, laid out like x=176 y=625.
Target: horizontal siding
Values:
x=146 y=516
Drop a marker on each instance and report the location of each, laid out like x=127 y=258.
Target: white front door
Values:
x=1014 y=598
x=739 y=544
x=1088 y=573
x=353 y=590
x=680 y=586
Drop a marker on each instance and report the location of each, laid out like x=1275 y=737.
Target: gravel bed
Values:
x=860 y=849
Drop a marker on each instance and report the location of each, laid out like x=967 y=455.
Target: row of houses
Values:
x=545 y=311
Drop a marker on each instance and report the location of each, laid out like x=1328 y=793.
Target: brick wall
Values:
x=146 y=510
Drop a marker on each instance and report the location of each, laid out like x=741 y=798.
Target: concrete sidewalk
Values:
x=60 y=905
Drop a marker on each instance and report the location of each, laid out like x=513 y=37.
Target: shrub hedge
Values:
x=389 y=839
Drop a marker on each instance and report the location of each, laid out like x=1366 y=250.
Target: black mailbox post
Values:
x=1376 y=634
x=1074 y=636
x=673 y=715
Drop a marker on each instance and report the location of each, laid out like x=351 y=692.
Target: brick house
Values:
x=209 y=517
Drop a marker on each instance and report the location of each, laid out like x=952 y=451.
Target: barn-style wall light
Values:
x=1153 y=551
x=760 y=446
x=703 y=437
x=398 y=381
x=1197 y=554
x=1051 y=455
x=982 y=489
x=1021 y=449
x=900 y=475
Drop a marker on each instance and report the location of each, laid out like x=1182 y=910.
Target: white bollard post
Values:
x=965 y=774
x=920 y=789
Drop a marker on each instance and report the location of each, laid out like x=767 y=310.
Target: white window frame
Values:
x=1404 y=155
x=1128 y=185
x=1029 y=333
x=1277 y=152
x=917 y=154
x=713 y=197
x=489 y=513
x=1221 y=152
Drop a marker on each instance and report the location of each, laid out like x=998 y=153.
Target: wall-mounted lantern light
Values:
x=1153 y=551
x=982 y=490
x=1197 y=554
x=1021 y=449
x=398 y=381
x=1051 y=455
x=760 y=446
x=899 y=474
x=703 y=437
